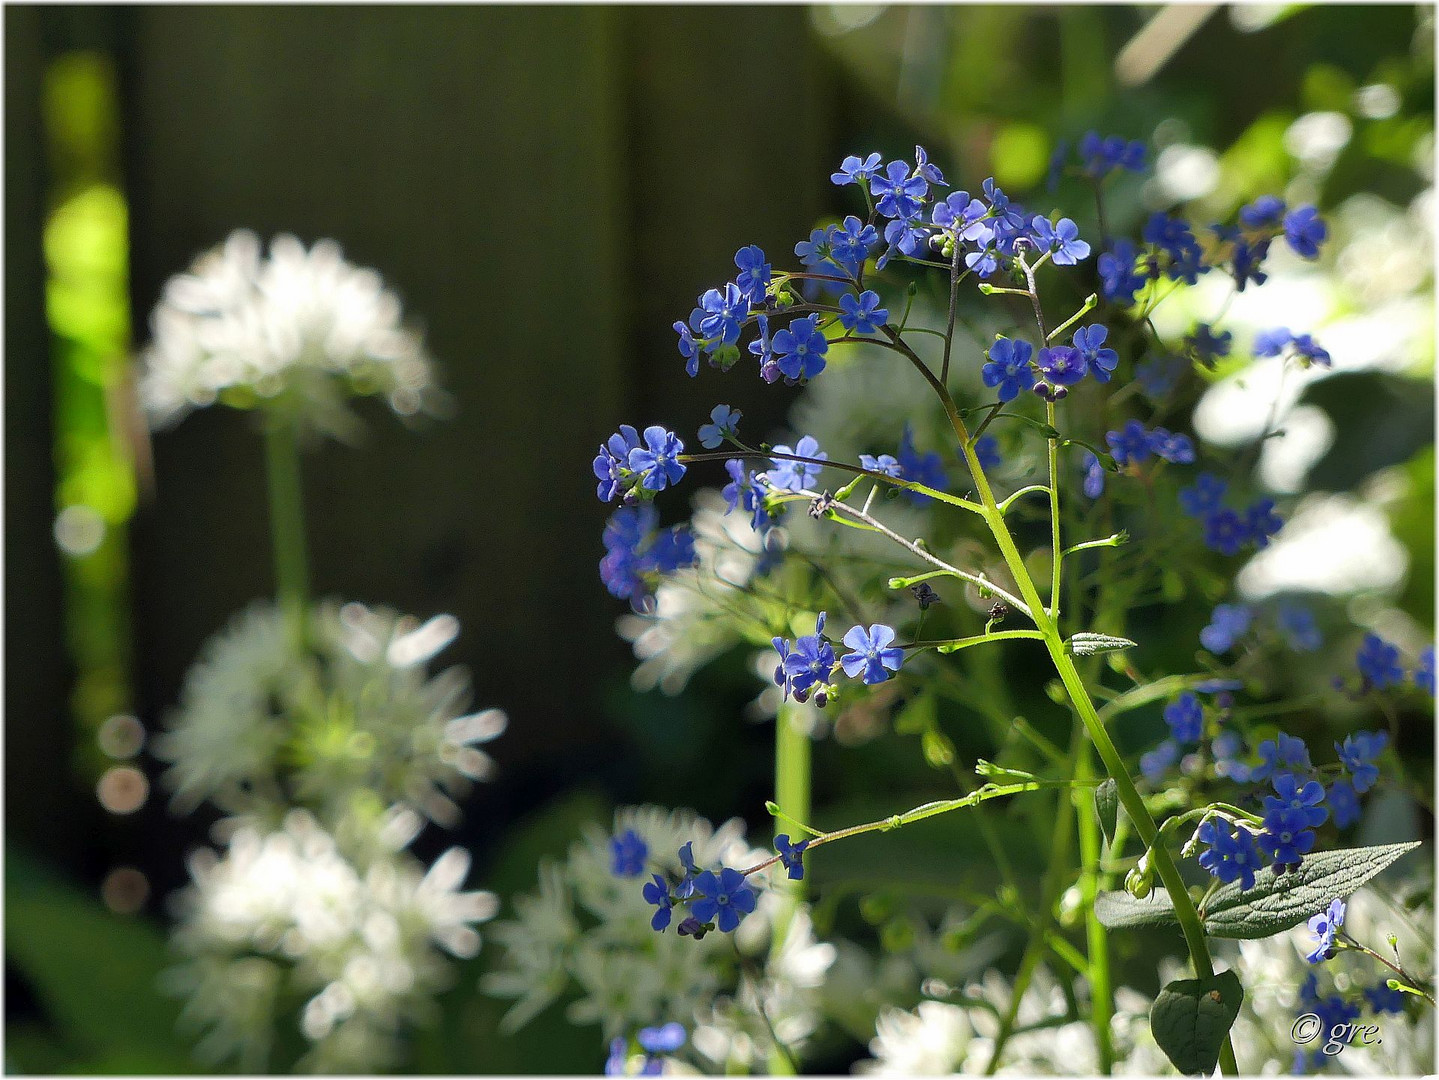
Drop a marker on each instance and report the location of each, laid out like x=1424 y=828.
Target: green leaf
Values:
x=1275 y=904
x=1106 y=807
x=1094 y=644
x=1119 y=910
x=1280 y=901
x=94 y=972
x=1191 y=1017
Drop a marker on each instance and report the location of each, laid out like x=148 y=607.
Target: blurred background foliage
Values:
x=549 y=188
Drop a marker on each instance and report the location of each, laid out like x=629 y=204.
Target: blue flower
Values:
x=898 y=193
x=1185 y=717
x=1130 y=445
x=628 y=852
x=1305 y=231
x=1227 y=747
x=800 y=348
x=722 y=425
x=1247 y=263
x=1309 y=351
x=986 y=452
x=743 y=490
x=1286 y=839
x=611 y=465
x=1206 y=345
x=863 y=314
x=1062 y=365
x=1157 y=762
x=962 y=218
x=1281 y=752
x=1176 y=449
x=926 y=469
x=906 y=236
x=1225 y=531
x=854 y=171
x=1158 y=376
x=754 y=274
x=1093 y=476
x=1089 y=340
x=1357 y=756
x=1230 y=856
x=1227 y=624
x=657 y=892
x=1344 y=802
x=687 y=861
x=1379 y=663
x=1174 y=237
x=1118 y=277
x=1261 y=522
x=815 y=252
x=1103 y=156
x=1061 y=238
x=665 y=1039
x=1303 y=801
x=1382 y=999
x=884 y=463
x=760 y=348
x=1297 y=624
x=851 y=243
x=810 y=663
x=1324 y=926
x=791 y=855
x=1003 y=210
x=1204 y=496
x=1008 y=368
x=923 y=167
x=724 y=898
x=1424 y=671
x=720 y=313
x=656 y=463
x=1263 y=212
x=796 y=475
x=1272 y=342
x=689 y=349
x=872 y=653
x=637 y=552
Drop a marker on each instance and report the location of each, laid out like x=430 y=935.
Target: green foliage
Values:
x=1191 y=1017
x=1275 y=904
x=96 y=974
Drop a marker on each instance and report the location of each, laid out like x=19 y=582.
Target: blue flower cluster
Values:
x=1098 y=157
x=637 y=552
x=1133 y=445
x=1230 y=622
x=654 y=1041
x=1226 y=530
x=1278 y=341
x=807 y=666
x=1173 y=249
x=721 y=897
x=632 y=469
x=1299 y=802
x=1324 y=927
x=1054 y=370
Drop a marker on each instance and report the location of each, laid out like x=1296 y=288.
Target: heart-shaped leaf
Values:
x=1190 y=1018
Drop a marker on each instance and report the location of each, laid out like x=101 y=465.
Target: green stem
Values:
x=287 y=523
x=792 y=766
x=1101 y=992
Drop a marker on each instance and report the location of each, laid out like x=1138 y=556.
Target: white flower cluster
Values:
x=941 y=1037
x=262 y=726
x=302 y=327
x=286 y=916
x=588 y=929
